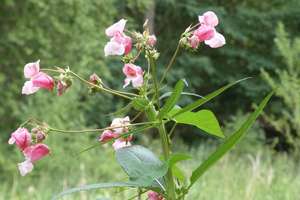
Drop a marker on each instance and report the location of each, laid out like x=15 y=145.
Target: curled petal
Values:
x=43 y=80
x=113 y=48
x=209 y=18
x=217 y=41
x=25 y=167
x=107 y=135
x=137 y=81
x=118 y=144
x=117 y=27
x=31 y=69
x=21 y=137
x=194 y=41
x=204 y=32
x=121 y=124
x=36 y=152
x=28 y=88
x=124 y=40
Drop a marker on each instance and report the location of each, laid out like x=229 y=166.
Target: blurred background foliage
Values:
x=71 y=33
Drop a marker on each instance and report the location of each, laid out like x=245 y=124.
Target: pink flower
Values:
x=133 y=74
x=107 y=135
x=204 y=32
x=37 y=79
x=217 y=41
x=32 y=154
x=154 y=196
x=151 y=40
x=209 y=18
x=118 y=27
x=119 y=43
x=21 y=137
x=118 y=144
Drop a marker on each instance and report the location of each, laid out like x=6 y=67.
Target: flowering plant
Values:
x=145 y=170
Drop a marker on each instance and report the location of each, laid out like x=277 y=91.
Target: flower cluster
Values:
x=118 y=127
x=206 y=32
x=32 y=152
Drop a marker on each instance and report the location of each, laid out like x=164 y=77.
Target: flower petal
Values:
x=113 y=48
x=217 y=41
x=31 y=69
x=117 y=27
x=25 y=167
x=28 y=88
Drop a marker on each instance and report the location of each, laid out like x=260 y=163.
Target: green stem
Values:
x=100 y=129
x=101 y=88
x=170 y=63
x=162 y=132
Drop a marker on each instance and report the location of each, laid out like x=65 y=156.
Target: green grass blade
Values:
x=172 y=100
x=229 y=143
x=207 y=98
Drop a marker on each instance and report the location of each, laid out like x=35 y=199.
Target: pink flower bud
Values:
x=151 y=40
x=107 y=135
x=117 y=27
x=95 y=79
x=42 y=80
x=154 y=196
x=204 y=32
x=217 y=41
x=40 y=136
x=31 y=69
x=118 y=144
x=209 y=18
x=21 y=137
x=133 y=74
x=61 y=87
x=36 y=152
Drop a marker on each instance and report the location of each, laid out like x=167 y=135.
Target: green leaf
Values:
x=140 y=103
x=229 y=143
x=172 y=100
x=95 y=186
x=207 y=98
x=178 y=173
x=177 y=157
x=141 y=164
x=203 y=119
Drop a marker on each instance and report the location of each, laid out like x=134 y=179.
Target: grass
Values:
x=249 y=176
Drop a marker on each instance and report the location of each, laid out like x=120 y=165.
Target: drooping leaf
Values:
x=141 y=164
x=167 y=94
x=203 y=119
x=177 y=157
x=207 y=98
x=94 y=187
x=172 y=100
x=229 y=143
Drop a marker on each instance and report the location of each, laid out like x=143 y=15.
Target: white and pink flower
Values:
x=118 y=127
x=134 y=75
x=206 y=32
x=32 y=154
x=37 y=80
x=119 y=43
